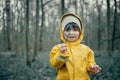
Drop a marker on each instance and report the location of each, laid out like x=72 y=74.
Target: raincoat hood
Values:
x=67 y=18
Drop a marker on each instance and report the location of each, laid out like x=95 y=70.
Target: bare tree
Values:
x=115 y=24
x=36 y=32
x=76 y=7
x=8 y=24
x=42 y=24
x=108 y=27
x=62 y=7
x=4 y=31
x=99 y=22
x=27 y=35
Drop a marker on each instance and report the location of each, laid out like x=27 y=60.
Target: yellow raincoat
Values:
x=74 y=64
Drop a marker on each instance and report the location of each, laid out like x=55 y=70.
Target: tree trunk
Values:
x=36 y=32
x=8 y=24
x=115 y=24
x=4 y=31
x=76 y=6
x=27 y=35
x=108 y=27
x=62 y=7
x=42 y=24
x=99 y=23
x=82 y=10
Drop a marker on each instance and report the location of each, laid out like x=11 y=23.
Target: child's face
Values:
x=71 y=34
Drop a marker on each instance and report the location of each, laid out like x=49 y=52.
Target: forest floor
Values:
x=13 y=67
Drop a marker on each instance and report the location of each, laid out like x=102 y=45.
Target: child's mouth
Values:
x=71 y=36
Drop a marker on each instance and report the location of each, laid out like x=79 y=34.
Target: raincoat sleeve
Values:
x=57 y=59
x=91 y=60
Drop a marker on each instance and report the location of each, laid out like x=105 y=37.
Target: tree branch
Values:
x=47 y=2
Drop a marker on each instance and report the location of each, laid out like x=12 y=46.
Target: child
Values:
x=71 y=59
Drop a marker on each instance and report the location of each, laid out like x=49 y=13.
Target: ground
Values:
x=13 y=67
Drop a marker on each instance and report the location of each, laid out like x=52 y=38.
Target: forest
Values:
x=30 y=28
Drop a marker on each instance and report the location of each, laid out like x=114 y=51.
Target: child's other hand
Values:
x=63 y=48
x=95 y=69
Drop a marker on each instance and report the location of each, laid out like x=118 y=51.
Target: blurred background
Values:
x=30 y=28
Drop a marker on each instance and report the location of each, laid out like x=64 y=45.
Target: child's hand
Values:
x=63 y=48
x=95 y=69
